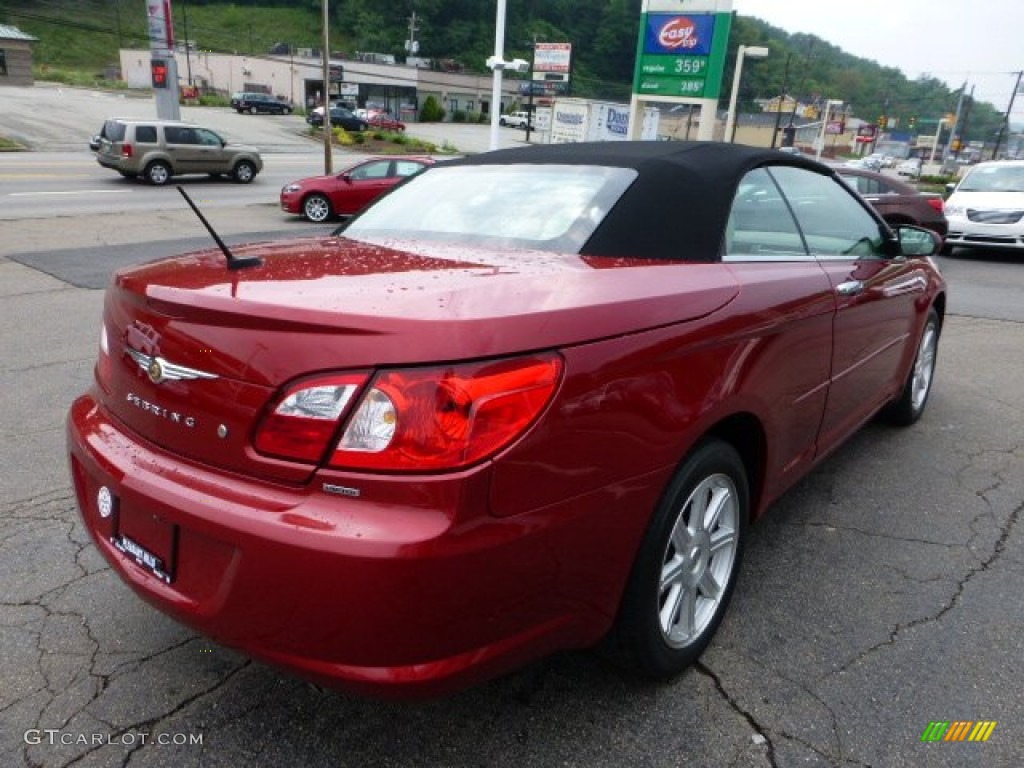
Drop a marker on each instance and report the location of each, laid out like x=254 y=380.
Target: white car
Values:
x=986 y=209
x=911 y=168
x=515 y=119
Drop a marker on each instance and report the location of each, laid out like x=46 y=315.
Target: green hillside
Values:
x=84 y=35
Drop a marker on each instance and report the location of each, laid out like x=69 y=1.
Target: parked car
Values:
x=515 y=119
x=910 y=167
x=529 y=400
x=259 y=102
x=343 y=194
x=897 y=201
x=986 y=209
x=156 y=150
x=340 y=116
x=385 y=122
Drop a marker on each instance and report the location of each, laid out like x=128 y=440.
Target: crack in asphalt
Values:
x=759 y=729
x=984 y=564
x=147 y=726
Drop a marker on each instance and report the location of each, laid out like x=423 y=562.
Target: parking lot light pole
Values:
x=754 y=52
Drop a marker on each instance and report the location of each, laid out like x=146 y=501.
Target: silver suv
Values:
x=159 y=149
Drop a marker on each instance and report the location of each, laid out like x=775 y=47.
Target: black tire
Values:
x=317 y=208
x=909 y=406
x=158 y=173
x=501 y=121
x=683 y=577
x=244 y=172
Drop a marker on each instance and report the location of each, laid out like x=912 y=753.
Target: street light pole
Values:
x=499 y=57
x=754 y=52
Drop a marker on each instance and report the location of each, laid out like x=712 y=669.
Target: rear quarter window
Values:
x=145 y=134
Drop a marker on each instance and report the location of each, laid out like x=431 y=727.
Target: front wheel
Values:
x=244 y=172
x=317 y=208
x=687 y=565
x=910 y=405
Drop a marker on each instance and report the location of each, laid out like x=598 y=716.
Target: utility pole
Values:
x=963 y=123
x=411 y=46
x=188 y=58
x=328 y=131
x=956 y=123
x=778 y=110
x=1006 y=119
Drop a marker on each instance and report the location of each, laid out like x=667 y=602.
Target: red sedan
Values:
x=385 y=122
x=322 y=197
x=530 y=400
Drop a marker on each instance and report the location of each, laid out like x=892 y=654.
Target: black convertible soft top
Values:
x=682 y=194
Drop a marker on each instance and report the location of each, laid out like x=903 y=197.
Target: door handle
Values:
x=850 y=288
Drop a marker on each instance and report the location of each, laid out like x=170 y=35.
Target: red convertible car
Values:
x=319 y=198
x=530 y=400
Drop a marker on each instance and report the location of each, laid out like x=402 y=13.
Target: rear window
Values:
x=539 y=207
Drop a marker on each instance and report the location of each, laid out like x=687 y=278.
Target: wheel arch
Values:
x=746 y=434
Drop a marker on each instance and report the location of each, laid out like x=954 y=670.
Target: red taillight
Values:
x=416 y=419
x=305 y=418
x=936 y=203
x=126 y=150
x=444 y=418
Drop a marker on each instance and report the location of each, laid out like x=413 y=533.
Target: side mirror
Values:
x=949 y=188
x=917 y=242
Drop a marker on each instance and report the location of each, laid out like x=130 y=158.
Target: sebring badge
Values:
x=160 y=370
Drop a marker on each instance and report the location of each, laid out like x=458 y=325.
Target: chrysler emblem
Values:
x=160 y=370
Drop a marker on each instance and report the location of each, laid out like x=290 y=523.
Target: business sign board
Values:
x=552 y=57
x=161 y=29
x=575 y=120
x=681 y=48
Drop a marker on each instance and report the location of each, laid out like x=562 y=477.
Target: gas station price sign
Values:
x=681 y=54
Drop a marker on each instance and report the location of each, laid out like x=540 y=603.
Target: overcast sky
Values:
x=980 y=41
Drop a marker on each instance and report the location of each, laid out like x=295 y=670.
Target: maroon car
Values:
x=322 y=197
x=529 y=400
x=385 y=122
x=897 y=201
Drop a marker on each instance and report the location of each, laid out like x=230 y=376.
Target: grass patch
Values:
x=382 y=142
x=9 y=145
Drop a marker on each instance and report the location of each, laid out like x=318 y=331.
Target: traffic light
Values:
x=158 y=69
x=883 y=122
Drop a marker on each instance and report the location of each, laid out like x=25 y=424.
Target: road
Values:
x=880 y=594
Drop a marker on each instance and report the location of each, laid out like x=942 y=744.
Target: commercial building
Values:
x=15 y=56
x=298 y=78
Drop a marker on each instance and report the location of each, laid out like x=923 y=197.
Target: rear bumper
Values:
x=383 y=598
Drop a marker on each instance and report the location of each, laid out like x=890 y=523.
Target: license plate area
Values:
x=149 y=540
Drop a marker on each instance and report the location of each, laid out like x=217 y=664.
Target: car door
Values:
x=793 y=359
x=183 y=147
x=212 y=155
x=877 y=298
x=362 y=185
